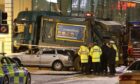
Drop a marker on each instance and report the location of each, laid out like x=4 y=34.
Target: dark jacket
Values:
x=112 y=55
x=105 y=53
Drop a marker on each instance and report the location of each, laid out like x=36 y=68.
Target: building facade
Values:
x=12 y=7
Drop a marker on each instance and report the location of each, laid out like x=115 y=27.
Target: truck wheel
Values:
x=57 y=65
x=77 y=64
x=5 y=80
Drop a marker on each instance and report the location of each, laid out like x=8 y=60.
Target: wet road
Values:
x=73 y=79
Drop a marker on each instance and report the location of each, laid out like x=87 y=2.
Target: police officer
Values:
x=111 y=59
x=84 y=53
x=116 y=49
x=90 y=45
x=104 y=58
x=95 y=53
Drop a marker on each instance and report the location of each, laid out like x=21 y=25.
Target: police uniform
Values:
x=84 y=53
x=95 y=53
x=117 y=53
x=116 y=49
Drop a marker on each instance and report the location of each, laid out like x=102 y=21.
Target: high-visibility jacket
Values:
x=83 y=53
x=95 y=53
x=117 y=53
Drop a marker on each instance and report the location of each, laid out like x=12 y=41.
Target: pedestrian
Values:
x=125 y=53
x=95 y=53
x=111 y=59
x=104 y=58
x=84 y=53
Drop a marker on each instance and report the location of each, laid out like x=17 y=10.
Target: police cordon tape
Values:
x=50 y=46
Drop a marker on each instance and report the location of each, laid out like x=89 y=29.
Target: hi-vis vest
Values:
x=117 y=53
x=95 y=53
x=83 y=53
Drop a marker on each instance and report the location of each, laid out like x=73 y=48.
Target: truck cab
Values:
x=26 y=28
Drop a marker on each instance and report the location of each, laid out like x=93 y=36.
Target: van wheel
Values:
x=57 y=65
x=5 y=80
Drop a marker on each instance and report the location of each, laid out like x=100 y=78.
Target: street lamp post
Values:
x=130 y=5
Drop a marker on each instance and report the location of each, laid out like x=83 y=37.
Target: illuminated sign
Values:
x=53 y=1
x=70 y=32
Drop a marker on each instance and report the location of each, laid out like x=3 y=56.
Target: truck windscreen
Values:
x=135 y=33
x=22 y=33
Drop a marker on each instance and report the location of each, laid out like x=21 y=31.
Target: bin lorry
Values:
x=42 y=29
x=37 y=29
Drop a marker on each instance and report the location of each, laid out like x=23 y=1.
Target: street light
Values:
x=135 y=1
x=131 y=4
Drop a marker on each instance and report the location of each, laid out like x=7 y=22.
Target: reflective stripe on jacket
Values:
x=83 y=53
x=117 y=53
x=95 y=53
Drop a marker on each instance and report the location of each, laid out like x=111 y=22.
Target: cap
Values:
x=111 y=41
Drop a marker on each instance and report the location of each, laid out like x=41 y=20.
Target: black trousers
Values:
x=125 y=59
x=84 y=68
x=112 y=68
x=96 y=67
x=104 y=66
x=89 y=65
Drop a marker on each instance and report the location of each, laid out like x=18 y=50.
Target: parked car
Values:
x=131 y=75
x=54 y=58
x=13 y=73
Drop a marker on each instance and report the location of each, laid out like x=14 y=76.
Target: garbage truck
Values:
x=59 y=25
x=42 y=29
x=37 y=29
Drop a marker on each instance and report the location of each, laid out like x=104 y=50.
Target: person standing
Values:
x=84 y=53
x=95 y=53
x=111 y=59
x=90 y=45
x=104 y=58
x=117 y=52
x=125 y=53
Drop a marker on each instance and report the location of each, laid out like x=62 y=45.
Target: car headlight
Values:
x=16 y=44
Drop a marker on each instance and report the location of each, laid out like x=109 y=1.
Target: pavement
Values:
x=47 y=71
x=37 y=71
